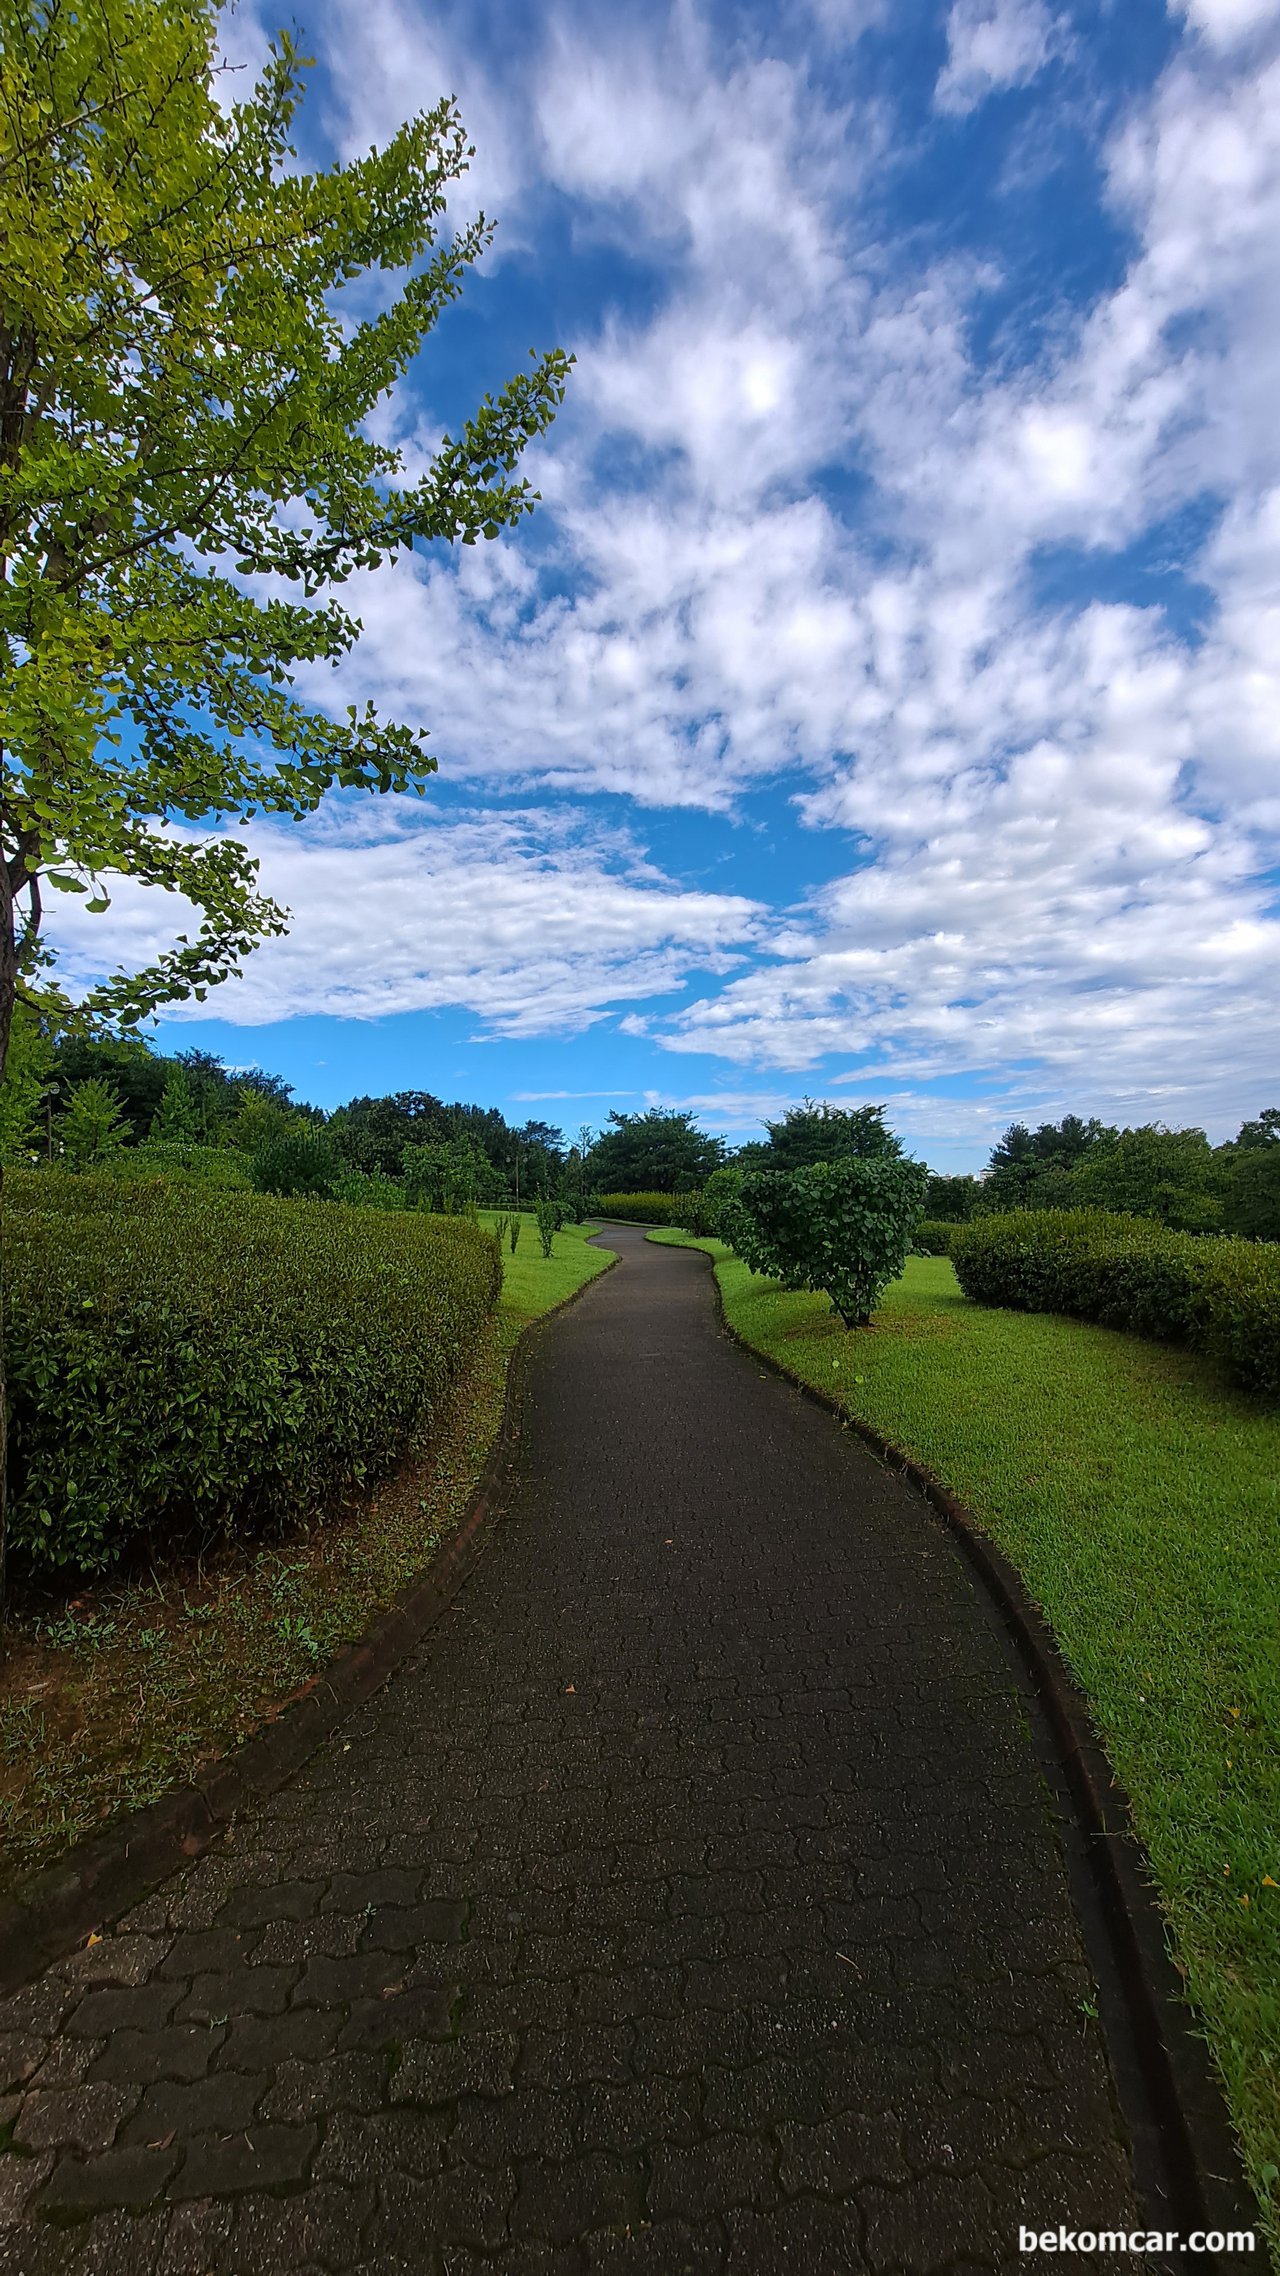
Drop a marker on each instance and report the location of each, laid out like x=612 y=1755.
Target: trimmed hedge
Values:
x=187 y=1364
x=1222 y=1296
x=932 y=1238
x=639 y=1208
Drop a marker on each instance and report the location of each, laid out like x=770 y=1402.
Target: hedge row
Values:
x=1221 y=1296
x=638 y=1208
x=933 y=1238
x=184 y=1364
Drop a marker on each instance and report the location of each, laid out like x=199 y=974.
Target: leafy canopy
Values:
x=820 y=1132
x=660 y=1151
x=185 y=384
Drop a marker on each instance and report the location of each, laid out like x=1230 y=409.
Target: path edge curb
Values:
x=104 y=1875
x=1204 y=2181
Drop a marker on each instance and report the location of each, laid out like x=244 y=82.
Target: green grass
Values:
x=533 y=1284
x=1139 y=1496
x=108 y=1699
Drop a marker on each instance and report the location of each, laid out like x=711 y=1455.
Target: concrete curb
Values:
x=109 y=1872
x=1172 y=2095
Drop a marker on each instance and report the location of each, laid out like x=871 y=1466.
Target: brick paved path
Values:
x=690 y=1901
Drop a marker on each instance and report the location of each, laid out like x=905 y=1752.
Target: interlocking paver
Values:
x=689 y=1904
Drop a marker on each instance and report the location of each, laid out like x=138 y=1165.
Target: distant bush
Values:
x=187 y=1364
x=297 y=1163
x=180 y=1164
x=639 y=1208
x=932 y=1237
x=841 y=1228
x=704 y=1213
x=1220 y=1295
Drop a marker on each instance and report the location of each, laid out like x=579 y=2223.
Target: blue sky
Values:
x=883 y=703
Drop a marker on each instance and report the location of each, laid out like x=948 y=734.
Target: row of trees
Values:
x=1175 y=1176
x=79 y=1097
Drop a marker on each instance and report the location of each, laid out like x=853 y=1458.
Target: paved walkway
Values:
x=690 y=1901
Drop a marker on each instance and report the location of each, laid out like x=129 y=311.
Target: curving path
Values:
x=691 y=1900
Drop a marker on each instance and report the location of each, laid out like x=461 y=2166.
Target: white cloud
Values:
x=535 y=922
x=1224 y=23
x=994 y=43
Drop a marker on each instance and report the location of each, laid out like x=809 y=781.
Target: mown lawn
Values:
x=109 y=1698
x=1139 y=1496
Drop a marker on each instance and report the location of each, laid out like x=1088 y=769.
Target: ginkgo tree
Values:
x=194 y=329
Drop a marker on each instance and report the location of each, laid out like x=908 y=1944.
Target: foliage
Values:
x=932 y=1237
x=659 y=1151
x=297 y=1163
x=1263 y=1131
x=174 y=1121
x=951 y=1200
x=135 y=1074
x=92 y=1125
x=820 y=1132
x=448 y=1176
x=361 y=1189
x=1251 y=1196
x=196 y=1363
x=842 y=1228
x=638 y=1208
x=219 y=1167
x=548 y=1221
x=26 y=1084
x=1221 y=1296
x=1170 y=1175
x=1027 y=1162
x=514 y=1234
x=197 y=333
x=704 y=1212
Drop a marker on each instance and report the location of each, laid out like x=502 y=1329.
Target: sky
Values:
x=883 y=704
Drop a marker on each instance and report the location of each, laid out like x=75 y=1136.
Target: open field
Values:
x=110 y=1698
x=1139 y=1496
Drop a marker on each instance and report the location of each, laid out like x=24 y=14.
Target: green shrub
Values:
x=548 y=1220
x=639 y=1208
x=704 y=1213
x=842 y=1228
x=1220 y=1295
x=932 y=1237
x=180 y=1164
x=92 y=1126
x=188 y=1364
x=297 y=1163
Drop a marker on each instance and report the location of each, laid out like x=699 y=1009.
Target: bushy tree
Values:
x=1251 y=1195
x=820 y=1132
x=545 y=1216
x=174 y=1122
x=1152 y=1171
x=92 y=1128
x=1264 y=1130
x=660 y=1151
x=951 y=1200
x=372 y=1133
x=1028 y=1169
x=842 y=1228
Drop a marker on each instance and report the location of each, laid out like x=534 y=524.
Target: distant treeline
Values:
x=77 y=1099
x=1174 y=1176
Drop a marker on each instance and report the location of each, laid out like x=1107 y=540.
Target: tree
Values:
x=92 y=1127
x=298 y=1163
x=1251 y=1197
x=820 y=1132
x=1172 y=1175
x=1029 y=1169
x=1264 y=1131
x=842 y=1227
x=660 y=1151
x=174 y=1123
x=951 y=1200
x=186 y=383
x=135 y=1074
x=372 y=1133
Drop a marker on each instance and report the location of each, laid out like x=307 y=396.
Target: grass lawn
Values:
x=108 y=1699
x=1139 y=1496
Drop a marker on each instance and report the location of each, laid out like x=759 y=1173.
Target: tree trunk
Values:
x=8 y=992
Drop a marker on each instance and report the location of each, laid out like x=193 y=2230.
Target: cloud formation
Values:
x=993 y=609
